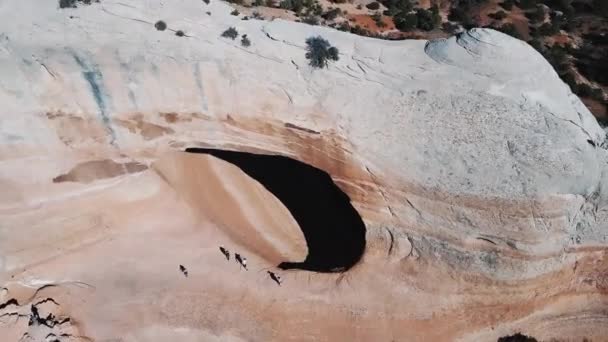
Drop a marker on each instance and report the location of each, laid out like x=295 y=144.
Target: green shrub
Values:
x=310 y=20
x=527 y=4
x=373 y=6
x=245 y=41
x=425 y=20
x=507 y=4
x=319 y=52
x=500 y=15
x=537 y=15
x=546 y=29
x=584 y=90
x=406 y=22
x=67 y=3
x=601 y=7
x=231 y=33
x=180 y=33
x=332 y=14
x=509 y=29
x=395 y=7
x=235 y=12
x=160 y=25
x=436 y=15
x=72 y=3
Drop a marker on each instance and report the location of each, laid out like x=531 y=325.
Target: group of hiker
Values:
x=242 y=261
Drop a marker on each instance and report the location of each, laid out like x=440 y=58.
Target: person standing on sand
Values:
x=241 y=260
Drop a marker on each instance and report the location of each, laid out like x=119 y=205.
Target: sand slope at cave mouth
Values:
x=247 y=212
x=332 y=227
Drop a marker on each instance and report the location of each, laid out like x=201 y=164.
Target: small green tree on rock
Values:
x=319 y=52
x=231 y=33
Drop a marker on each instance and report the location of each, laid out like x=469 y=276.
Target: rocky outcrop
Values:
x=479 y=175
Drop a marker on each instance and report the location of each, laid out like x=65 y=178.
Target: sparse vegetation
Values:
x=235 y=12
x=180 y=33
x=377 y=17
x=160 y=25
x=231 y=33
x=550 y=26
x=207 y=1
x=74 y=3
x=319 y=52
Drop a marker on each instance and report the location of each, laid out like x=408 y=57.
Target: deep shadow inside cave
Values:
x=333 y=229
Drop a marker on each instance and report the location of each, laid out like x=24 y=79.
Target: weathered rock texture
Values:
x=481 y=179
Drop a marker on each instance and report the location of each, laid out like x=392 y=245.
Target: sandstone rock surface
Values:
x=481 y=178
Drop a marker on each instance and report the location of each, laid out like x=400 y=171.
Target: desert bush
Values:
x=406 y=22
x=500 y=15
x=527 y=4
x=207 y=1
x=436 y=15
x=231 y=33
x=292 y=5
x=160 y=25
x=546 y=29
x=235 y=12
x=462 y=15
x=67 y=3
x=536 y=15
x=395 y=7
x=601 y=7
x=425 y=20
x=180 y=33
x=72 y=3
x=319 y=52
x=509 y=29
x=332 y=14
x=507 y=4
x=584 y=90
x=311 y=20
x=373 y=5
x=245 y=41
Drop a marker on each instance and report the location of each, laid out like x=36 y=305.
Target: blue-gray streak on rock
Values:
x=126 y=69
x=93 y=76
x=199 y=84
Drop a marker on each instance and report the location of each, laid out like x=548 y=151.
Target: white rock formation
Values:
x=469 y=154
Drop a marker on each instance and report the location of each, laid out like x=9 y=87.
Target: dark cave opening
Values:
x=519 y=337
x=333 y=229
